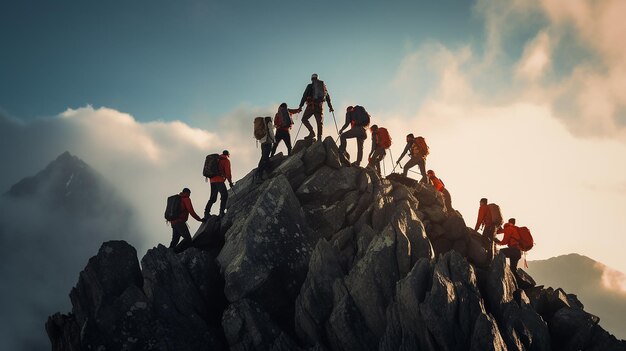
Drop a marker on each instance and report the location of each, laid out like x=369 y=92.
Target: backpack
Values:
x=211 y=166
x=260 y=128
x=384 y=139
x=526 y=241
x=360 y=117
x=174 y=207
x=319 y=91
x=496 y=214
x=284 y=118
x=420 y=147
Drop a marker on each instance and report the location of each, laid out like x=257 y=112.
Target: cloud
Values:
x=536 y=58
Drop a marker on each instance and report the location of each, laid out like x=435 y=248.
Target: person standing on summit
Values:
x=218 y=186
x=314 y=95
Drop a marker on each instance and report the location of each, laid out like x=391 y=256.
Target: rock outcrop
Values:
x=322 y=256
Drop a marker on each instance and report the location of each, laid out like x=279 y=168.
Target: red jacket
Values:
x=277 y=119
x=187 y=209
x=484 y=217
x=511 y=236
x=224 y=167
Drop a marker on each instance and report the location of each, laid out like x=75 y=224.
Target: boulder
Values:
x=332 y=153
x=486 y=335
x=267 y=250
x=454 y=228
x=326 y=220
x=327 y=185
x=572 y=328
x=293 y=169
x=315 y=302
x=314 y=157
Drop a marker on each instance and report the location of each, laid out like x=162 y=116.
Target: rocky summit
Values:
x=319 y=255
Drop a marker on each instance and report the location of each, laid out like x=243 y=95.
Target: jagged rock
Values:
x=364 y=238
x=315 y=302
x=454 y=302
x=293 y=169
x=486 y=335
x=346 y=329
x=64 y=332
x=267 y=250
x=332 y=153
x=302 y=144
x=455 y=228
x=326 y=220
x=547 y=301
x=365 y=183
x=434 y=213
x=441 y=245
x=328 y=185
x=344 y=242
x=179 y=308
x=248 y=327
x=383 y=210
x=524 y=280
x=499 y=286
x=436 y=231
x=476 y=251
x=363 y=203
x=460 y=246
x=314 y=157
x=572 y=328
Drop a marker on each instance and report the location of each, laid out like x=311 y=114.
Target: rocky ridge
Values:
x=322 y=256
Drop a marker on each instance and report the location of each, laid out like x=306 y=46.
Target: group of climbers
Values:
x=217 y=167
x=517 y=239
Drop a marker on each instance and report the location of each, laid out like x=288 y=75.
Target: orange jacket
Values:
x=187 y=209
x=484 y=217
x=224 y=167
x=437 y=183
x=511 y=236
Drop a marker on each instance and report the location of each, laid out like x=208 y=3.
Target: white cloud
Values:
x=536 y=58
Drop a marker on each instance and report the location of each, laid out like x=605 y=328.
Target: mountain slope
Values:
x=602 y=290
x=49 y=225
x=318 y=255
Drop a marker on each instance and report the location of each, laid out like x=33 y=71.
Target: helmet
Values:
x=314 y=76
x=225 y=152
x=430 y=172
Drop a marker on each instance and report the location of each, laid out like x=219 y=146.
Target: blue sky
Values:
x=196 y=59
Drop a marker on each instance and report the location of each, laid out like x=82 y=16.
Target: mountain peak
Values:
x=318 y=255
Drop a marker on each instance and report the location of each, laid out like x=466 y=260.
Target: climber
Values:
x=380 y=142
x=511 y=239
x=266 y=148
x=485 y=220
x=283 y=123
x=218 y=186
x=314 y=95
x=418 y=150
x=440 y=186
x=179 y=225
x=356 y=131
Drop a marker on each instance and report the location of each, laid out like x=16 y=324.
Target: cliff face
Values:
x=321 y=256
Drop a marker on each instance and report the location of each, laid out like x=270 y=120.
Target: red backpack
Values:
x=384 y=139
x=526 y=241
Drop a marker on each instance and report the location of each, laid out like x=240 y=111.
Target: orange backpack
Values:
x=526 y=241
x=419 y=147
x=384 y=139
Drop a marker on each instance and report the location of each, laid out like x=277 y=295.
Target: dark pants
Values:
x=490 y=233
x=264 y=162
x=514 y=254
x=360 y=135
x=178 y=230
x=316 y=109
x=448 y=199
x=377 y=156
x=217 y=187
x=283 y=135
x=415 y=161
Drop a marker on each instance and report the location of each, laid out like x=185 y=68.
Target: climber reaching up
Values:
x=358 y=119
x=511 y=238
x=381 y=141
x=418 y=151
x=440 y=186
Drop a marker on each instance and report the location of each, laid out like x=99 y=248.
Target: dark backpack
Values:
x=319 y=91
x=496 y=214
x=174 y=207
x=211 y=166
x=360 y=116
x=284 y=118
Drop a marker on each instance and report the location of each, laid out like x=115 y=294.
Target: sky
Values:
x=522 y=102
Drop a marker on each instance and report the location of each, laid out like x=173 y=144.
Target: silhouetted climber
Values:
x=283 y=123
x=218 y=186
x=489 y=217
x=380 y=142
x=266 y=147
x=418 y=150
x=179 y=225
x=440 y=186
x=314 y=95
x=357 y=130
x=511 y=239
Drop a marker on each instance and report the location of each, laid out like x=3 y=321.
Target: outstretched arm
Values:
x=306 y=94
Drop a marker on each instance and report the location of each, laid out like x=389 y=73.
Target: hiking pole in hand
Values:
x=334 y=119
x=296 y=139
x=396 y=164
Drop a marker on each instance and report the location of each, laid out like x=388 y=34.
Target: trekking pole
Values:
x=296 y=139
x=384 y=169
x=336 y=128
x=393 y=163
